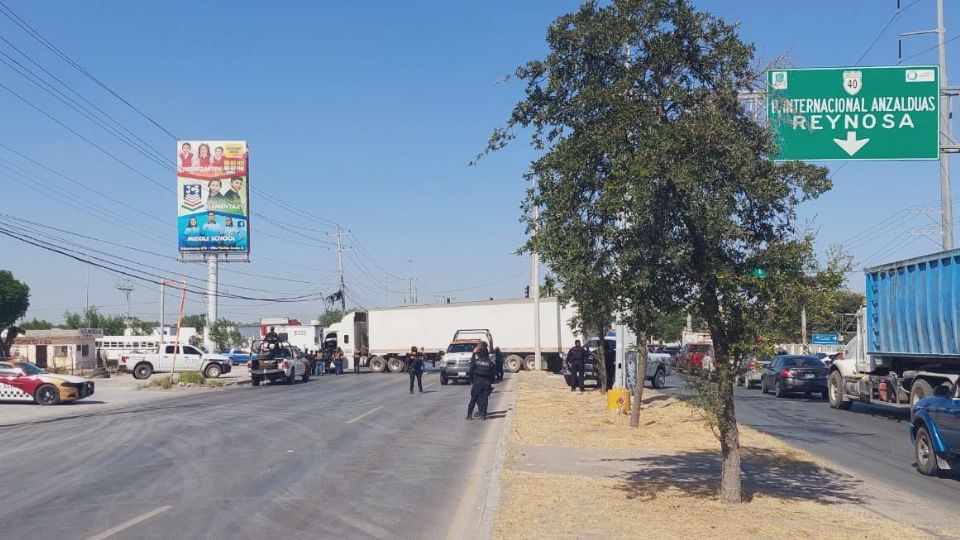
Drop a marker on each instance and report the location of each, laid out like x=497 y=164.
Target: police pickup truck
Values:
x=456 y=361
x=274 y=359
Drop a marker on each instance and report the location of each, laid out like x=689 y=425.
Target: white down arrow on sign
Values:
x=851 y=145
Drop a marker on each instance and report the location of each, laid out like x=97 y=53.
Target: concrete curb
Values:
x=491 y=502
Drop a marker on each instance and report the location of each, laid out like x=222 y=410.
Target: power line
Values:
x=883 y=30
x=10 y=14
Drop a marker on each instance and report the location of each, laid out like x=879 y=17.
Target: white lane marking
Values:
x=429 y=385
x=130 y=523
x=371 y=411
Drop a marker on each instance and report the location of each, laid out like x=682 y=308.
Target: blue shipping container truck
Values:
x=910 y=325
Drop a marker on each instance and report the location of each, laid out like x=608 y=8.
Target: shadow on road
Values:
x=766 y=471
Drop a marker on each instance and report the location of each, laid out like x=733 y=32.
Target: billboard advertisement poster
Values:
x=213 y=197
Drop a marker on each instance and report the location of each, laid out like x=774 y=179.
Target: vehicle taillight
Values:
x=786 y=374
x=123 y=359
x=696 y=358
x=286 y=365
x=752 y=366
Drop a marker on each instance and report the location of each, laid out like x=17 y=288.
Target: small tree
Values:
x=330 y=316
x=14 y=301
x=225 y=334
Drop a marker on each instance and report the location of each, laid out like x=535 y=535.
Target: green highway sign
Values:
x=855 y=113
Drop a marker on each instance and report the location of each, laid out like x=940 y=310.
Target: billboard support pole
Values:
x=212 y=273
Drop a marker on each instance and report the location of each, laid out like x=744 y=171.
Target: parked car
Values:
x=23 y=381
x=238 y=355
x=455 y=363
x=751 y=371
x=695 y=357
x=935 y=430
x=658 y=369
x=795 y=374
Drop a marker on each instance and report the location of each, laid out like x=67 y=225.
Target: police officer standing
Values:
x=481 y=372
x=415 y=368
x=575 y=359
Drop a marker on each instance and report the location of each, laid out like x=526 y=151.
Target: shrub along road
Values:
x=337 y=457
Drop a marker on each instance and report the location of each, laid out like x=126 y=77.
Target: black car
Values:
x=788 y=374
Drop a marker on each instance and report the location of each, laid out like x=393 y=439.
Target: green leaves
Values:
x=14 y=299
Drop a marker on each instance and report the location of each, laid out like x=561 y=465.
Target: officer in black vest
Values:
x=481 y=371
x=576 y=358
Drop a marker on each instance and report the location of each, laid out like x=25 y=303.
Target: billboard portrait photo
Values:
x=213 y=197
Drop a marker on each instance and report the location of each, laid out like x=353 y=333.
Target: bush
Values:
x=191 y=377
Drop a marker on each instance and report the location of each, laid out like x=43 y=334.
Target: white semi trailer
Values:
x=388 y=334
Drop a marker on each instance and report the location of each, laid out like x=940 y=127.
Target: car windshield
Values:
x=700 y=348
x=461 y=347
x=30 y=369
x=802 y=361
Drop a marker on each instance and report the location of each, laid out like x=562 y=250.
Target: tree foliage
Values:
x=657 y=181
x=330 y=316
x=194 y=321
x=36 y=324
x=225 y=334
x=111 y=325
x=14 y=301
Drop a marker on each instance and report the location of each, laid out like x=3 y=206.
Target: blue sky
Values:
x=364 y=114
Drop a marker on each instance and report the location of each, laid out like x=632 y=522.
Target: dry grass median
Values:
x=576 y=470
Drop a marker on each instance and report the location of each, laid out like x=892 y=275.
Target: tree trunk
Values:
x=7 y=342
x=641 y=379
x=730 y=477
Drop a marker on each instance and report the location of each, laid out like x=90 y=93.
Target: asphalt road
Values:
x=354 y=456
x=869 y=441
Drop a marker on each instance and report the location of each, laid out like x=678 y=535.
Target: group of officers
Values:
x=485 y=369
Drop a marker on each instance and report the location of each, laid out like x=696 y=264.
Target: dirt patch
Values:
x=607 y=480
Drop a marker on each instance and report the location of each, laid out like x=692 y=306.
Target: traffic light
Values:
x=526 y=292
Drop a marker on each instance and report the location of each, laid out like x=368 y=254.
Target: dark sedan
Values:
x=795 y=374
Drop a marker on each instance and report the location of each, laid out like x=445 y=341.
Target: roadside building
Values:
x=62 y=350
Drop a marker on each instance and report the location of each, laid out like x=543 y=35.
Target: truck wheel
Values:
x=395 y=365
x=292 y=378
x=512 y=363
x=306 y=376
x=212 y=371
x=835 y=392
x=47 y=394
x=659 y=379
x=925 y=455
x=378 y=364
x=763 y=385
x=530 y=362
x=255 y=380
x=142 y=371
x=778 y=390
x=918 y=391
x=443 y=380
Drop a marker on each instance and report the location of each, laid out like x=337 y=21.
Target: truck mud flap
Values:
x=865 y=391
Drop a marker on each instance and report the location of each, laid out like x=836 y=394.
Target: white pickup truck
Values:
x=188 y=358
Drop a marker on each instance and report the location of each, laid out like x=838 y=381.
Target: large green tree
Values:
x=14 y=301
x=330 y=316
x=36 y=324
x=636 y=109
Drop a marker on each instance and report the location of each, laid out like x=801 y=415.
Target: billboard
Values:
x=213 y=197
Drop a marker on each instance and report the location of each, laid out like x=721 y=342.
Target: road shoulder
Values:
x=576 y=470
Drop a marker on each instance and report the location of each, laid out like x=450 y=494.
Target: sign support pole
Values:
x=212 y=274
x=946 y=132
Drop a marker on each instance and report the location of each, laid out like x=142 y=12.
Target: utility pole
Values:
x=803 y=326
x=411 y=284
x=126 y=287
x=947 y=145
x=946 y=204
x=343 y=292
x=535 y=291
x=386 y=291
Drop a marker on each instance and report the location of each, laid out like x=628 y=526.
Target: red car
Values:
x=695 y=358
x=23 y=381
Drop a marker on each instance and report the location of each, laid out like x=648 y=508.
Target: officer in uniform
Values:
x=576 y=358
x=498 y=358
x=481 y=372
